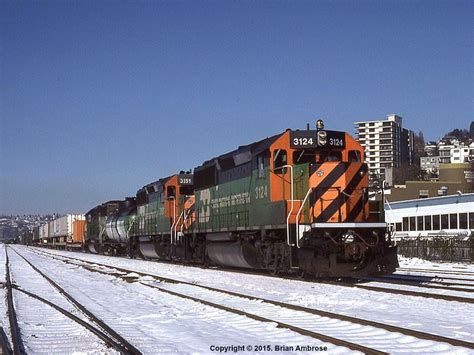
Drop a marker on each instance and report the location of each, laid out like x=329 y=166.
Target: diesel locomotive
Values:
x=296 y=202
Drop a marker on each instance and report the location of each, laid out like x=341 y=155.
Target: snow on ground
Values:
x=446 y=318
x=157 y=322
x=417 y=263
x=44 y=329
x=4 y=323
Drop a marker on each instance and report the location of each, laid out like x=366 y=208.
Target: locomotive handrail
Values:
x=186 y=215
x=176 y=226
x=174 y=218
x=298 y=217
x=292 y=203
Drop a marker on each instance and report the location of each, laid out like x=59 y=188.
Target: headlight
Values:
x=322 y=138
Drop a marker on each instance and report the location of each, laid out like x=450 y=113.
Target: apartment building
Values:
x=452 y=151
x=387 y=144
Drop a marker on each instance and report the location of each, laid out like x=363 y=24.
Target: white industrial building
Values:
x=444 y=216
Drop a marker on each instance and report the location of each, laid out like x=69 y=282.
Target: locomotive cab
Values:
x=330 y=229
x=165 y=212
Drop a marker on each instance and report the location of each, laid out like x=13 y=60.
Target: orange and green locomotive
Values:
x=295 y=202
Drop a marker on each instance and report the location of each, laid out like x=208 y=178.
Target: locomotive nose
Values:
x=339 y=192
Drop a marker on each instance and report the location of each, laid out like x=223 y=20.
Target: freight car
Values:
x=294 y=202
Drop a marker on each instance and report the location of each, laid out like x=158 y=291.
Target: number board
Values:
x=303 y=139
x=336 y=139
x=309 y=139
x=185 y=179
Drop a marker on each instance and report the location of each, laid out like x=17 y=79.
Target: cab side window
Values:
x=354 y=156
x=279 y=160
x=170 y=191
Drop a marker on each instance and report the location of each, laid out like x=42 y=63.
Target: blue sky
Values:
x=99 y=98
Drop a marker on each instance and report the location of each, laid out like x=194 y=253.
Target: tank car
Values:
x=108 y=227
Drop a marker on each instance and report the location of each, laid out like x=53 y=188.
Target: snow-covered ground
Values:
x=439 y=269
x=155 y=321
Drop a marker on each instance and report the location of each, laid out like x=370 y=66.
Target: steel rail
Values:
x=305 y=332
x=6 y=347
x=130 y=349
x=17 y=341
x=329 y=282
x=364 y=322
x=431 y=271
x=401 y=292
x=415 y=283
x=450 y=281
x=103 y=336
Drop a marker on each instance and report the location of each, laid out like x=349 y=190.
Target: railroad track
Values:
x=348 y=282
x=16 y=339
x=435 y=285
x=94 y=324
x=432 y=271
x=437 y=276
x=426 y=282
x=354 y=329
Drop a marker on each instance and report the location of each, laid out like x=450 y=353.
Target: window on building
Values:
x=427 y=223
x=279 y=160
x=471 y=220
x=371 y=129
x=371 y=135
x=371 y=124
x=398 y=226
x=405 y=224
x=453 y=221
x=412 y=224
x=444 y=221
x=463 y=221
x=423 y=193
x=436 y=222
x=419 y=223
